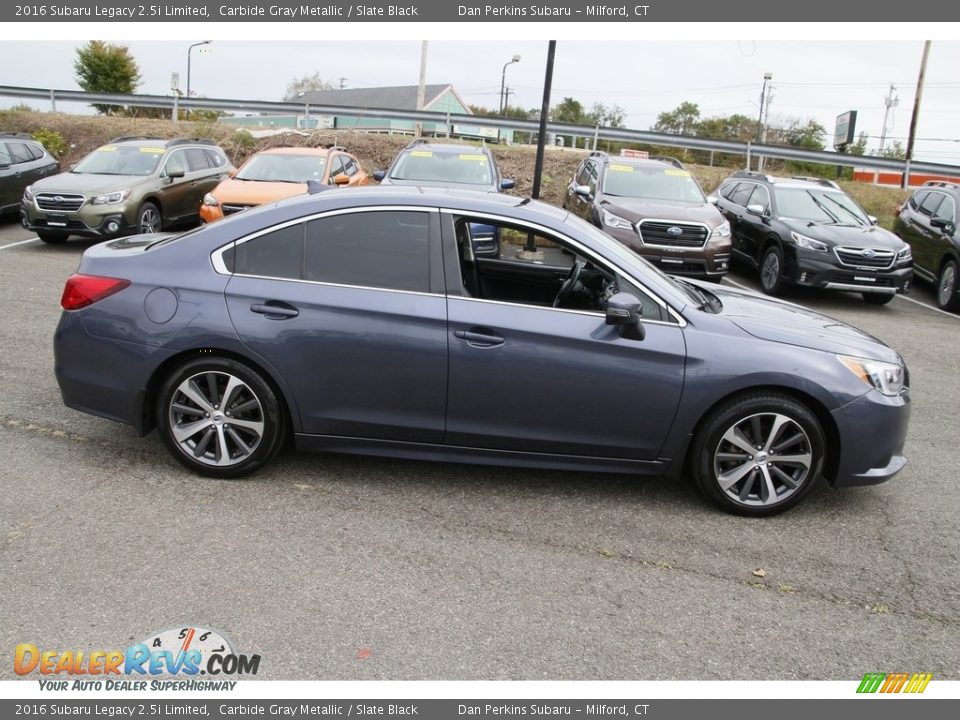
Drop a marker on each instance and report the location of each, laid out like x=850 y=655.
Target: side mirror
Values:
x=173 y=174
x=623 y=310
x=379 y=175
x=583 y=191
x=872 y=219
x=341 y=179
x=507 y=184
x=712 y=199
x=941 y=224
x=755 y=210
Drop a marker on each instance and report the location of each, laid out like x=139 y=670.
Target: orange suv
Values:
x=279 y=173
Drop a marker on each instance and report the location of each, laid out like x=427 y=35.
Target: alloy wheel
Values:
x=149 y=221
x=216 y=419
x=770 y=271
x=947 y=285
x=763 y=459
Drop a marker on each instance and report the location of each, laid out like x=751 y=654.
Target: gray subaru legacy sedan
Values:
x=363 y=322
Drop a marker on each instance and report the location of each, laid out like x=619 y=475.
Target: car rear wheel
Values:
x=219 y=418
x=947 y=287
x=771 y=271
x=758 y=454
x=877 y=298
x=52 y=238
x=148 y=219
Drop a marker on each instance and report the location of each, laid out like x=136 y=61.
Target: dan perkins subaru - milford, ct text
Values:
x=548 y=11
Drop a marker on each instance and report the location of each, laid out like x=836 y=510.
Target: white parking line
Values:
x=928 y=307
x=21 y=242
x=734 y=282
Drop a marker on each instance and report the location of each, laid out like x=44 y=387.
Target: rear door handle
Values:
x=275 y=310
x=479 y=337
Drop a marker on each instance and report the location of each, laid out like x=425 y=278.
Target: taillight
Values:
x=83 y=290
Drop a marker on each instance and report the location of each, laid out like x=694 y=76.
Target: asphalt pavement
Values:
x=350 y=568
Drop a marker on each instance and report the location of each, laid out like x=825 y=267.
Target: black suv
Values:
x=656 y=208
x=468 y=167
x=22 y=161
x=928 y=221
x=808 y=232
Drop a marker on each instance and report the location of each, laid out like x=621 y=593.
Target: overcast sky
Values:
x=810 y=79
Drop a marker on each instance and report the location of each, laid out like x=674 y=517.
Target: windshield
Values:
x=820 y=206
x=653 y=182
x=273 y=167
x=464 y=168
x=121 y=160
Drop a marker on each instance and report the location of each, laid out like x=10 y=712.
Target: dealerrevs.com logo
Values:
x=185 y=652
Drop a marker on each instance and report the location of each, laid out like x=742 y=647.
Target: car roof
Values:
x=150 y=141
x=451 y=147
x=318 y=151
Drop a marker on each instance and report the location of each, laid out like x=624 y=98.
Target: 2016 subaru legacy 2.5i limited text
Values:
x=363 y=321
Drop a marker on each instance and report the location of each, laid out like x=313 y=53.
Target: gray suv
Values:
x=23 y=161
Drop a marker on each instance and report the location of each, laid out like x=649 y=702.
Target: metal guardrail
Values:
x=603 y=133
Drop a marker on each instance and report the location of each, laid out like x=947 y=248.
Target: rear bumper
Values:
x=873 y=430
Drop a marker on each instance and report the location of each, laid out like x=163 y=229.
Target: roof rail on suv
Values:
x=818 y=181
x=128 y=138
x=941 y=183
x=668 y=160
x=752 y=175
x=598 y=153
x=22 y=136
x=417 y=141
x=190 y=141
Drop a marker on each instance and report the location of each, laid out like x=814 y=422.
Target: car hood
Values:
x=86 y=183
x=782 y=322
x=635 y=209
x=256 y=192
x=847 y=235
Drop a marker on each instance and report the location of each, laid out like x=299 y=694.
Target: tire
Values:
x=734 y=475
x=191 y=399
x=877 y=298
x=149 y=219
x=771 y=271
x=52 y=238
x=947 y=298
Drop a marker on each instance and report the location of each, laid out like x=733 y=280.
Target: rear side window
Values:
x=215 y=159
x=741 y=194
x=381 y=249
x=946 y=209
x=5 y=158
x=931 y=203
x=197 y=159
x=276 y=254
x=20 y=152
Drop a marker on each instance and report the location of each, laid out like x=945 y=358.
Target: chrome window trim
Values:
x=591 y=313
x=338 y=285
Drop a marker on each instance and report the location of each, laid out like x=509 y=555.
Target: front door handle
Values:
x=275 y=310
x=479 y=337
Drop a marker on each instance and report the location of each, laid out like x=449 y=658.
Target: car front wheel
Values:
x=771 y=271
x=758 y=454
x=947 y=297
x=219 y=417
x=148 y=219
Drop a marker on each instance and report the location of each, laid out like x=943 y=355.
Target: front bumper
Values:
x=820 y=270
x=872 y=430
x=96 y=221
x=712 y=261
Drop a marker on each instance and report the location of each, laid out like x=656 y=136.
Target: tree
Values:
x=895 y=151
x=604 y=116
x=569 y=111
x=729 y=127
x=307 y=83
x=682 y=120
x=107 y=68
x=860 y=146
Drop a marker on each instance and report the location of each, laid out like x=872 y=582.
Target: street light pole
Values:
x=189 y=50
x=761 y=135
x=503 y=81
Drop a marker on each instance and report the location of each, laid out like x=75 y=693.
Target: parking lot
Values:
x=343 y=568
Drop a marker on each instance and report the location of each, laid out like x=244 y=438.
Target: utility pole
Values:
x=761 y=119
x=343 y=83
x=889 y=102
x=422 y=87
x=905 y=183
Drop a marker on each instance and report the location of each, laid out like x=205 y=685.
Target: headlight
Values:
x=209 y=199
x=808 y=242
x=905 y=254
x=885 y=377
x=28 y=193
x=721 y=231
x=614 y=221
x=111 y=198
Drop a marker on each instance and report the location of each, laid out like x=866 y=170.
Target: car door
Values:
x=940 y=239
x=732 y=205
x=349 y=309
x=9 y=178
x=754 y=229
x=925 y=247
x=334 y=168
x=534 y=378
x=177 y=193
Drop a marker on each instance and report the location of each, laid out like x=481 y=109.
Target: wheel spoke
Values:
x=235 y=436
x=730 y=478
x=748 y=485
x=756 y=430
x=182 y=433
x=233 y=384
x=223 y=452
x=778 y=422
x=735 y=437
x=789 y=442
x=732 y=457
x=768 y=493
x=192 y=391
x=785 y=478
x=204 y=443
x=186 y=410
x=212 y=393
x=802 y=459
x=248 y=425
x=245 y=406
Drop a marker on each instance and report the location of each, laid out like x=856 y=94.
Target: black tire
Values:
x=877 y=298
x=52 y=238
x=149 y=219
x=947 y=298
x=750 y=420
x=215 y=448
x=771 y=271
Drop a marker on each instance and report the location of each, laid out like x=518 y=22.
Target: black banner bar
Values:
x=637 y=11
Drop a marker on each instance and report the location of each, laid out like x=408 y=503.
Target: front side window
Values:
x=177 y=162
x=760 y=197
x=381 y=249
